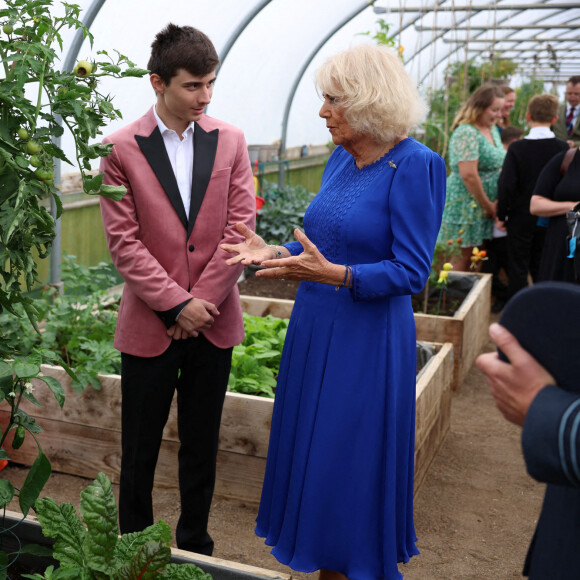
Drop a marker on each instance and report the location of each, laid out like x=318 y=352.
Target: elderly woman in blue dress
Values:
x=338 y=489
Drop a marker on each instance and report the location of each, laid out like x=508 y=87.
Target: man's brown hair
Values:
x=182 y=47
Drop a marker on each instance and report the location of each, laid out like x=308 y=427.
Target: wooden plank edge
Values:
x=234 y=566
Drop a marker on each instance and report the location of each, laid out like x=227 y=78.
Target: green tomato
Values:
x=22 y=133
x=83 y=69
x=35 y=161
x=33 y=147
x=45 y=175
x=8 y=28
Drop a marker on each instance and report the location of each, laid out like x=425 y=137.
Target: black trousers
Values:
x=199 y=371
x=525 y=243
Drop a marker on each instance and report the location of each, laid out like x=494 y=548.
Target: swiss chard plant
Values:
x=89 y=547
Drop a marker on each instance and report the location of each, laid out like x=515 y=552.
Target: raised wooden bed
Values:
x=84 y=437
x=466 y=329
x=28 y=531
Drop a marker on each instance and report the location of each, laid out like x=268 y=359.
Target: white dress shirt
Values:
x=576 y=111
x=180 y=152
x=540 y=133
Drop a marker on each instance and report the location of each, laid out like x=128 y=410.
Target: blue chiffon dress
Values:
x=338 y=489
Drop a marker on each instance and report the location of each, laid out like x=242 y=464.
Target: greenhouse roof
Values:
x=271 y=48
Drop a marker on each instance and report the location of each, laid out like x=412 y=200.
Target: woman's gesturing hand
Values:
x=253 y=250
x=309 y=265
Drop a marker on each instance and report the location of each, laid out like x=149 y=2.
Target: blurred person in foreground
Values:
x=338 y=490
x=567 y=126
x=546 y=403
x=476 y=155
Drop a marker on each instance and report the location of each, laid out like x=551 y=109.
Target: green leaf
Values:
x=149 y=562
x=134 y=72
x=4 y=559
x=93 y=183
x=37 y=550
x=25 y=369
x=34 y=482
x=6 y=492
x=184 y=572
x=99 y=513
x=55 y=387
x=115 y=192
x=62 y=524
x=128 y=544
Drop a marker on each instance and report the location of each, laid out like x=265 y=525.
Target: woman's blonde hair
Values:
x=480 y=99
x=378 y=95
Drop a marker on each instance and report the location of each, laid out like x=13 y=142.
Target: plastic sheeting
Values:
x=263 y=64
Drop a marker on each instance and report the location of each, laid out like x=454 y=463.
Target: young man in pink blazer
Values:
x=189 y=181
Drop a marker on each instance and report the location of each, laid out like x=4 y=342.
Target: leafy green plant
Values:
x=89 y=547
x=382 y=36
x=462 y=78
x=255 y=362
x=77 y=325
x=523 y=94
x=282 y=212
x=15 y=385
x=37 y=102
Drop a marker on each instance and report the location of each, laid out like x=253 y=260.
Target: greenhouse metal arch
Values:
x=509 y=35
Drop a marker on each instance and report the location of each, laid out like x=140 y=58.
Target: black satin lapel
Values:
x=205 y=147
x=154 y=150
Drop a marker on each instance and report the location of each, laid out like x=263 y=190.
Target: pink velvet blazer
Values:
x=164 y=258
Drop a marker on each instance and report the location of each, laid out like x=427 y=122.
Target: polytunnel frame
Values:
x=96 y=5
x=91 y=14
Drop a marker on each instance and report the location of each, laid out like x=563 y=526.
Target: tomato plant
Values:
x=39 y=102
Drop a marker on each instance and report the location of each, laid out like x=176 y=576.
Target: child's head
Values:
x=510 y=134
x=182 y=47
x=543 y=109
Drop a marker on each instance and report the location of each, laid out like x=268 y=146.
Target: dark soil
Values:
x=443 y=302
x=267 y=287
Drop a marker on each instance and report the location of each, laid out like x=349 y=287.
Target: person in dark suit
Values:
x=189 y=181
x=567 y=126
x=545 y=400
x=522 y=165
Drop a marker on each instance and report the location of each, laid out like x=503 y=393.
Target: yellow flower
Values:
x=475 y=251
x=447 y=266
x=442 y=276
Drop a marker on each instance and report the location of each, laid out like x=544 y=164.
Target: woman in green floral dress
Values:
x=475 y=157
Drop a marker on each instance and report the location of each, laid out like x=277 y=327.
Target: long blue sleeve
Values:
x=416 y=201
